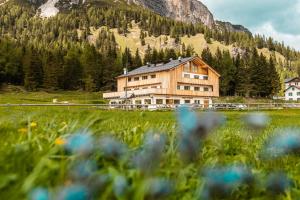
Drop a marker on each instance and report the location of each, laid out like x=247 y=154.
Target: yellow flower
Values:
x=33 y=124
x=23 y=130
x=60 y=141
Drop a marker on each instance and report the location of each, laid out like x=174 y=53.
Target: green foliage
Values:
x=28 y=162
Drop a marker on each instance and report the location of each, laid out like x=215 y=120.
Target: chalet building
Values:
x=292 y=89
x=183 y=81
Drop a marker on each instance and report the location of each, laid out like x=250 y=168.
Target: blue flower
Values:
x=277 y=183
x=120 y=186
x=149 y=157
x=157 y=188
x=257 y=121
x=39 y=194
x=83 y=169
x=111 y=148
x=187 y=119
x=80 y=143
x=74 y=192
x=222 y=181
x=284 y=142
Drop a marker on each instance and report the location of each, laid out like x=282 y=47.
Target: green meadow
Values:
x=31 y=154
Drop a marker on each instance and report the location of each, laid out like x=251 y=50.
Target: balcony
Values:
x=141 y=92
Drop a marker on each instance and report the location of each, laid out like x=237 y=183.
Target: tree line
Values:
x=249 y=74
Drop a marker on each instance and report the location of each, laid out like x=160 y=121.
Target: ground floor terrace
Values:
x=204 y=102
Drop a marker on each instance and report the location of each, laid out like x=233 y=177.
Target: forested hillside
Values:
x=79 y=49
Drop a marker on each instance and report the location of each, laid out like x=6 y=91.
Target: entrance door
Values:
x=206 y=103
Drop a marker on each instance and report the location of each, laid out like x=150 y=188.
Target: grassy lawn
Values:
x=30 y=156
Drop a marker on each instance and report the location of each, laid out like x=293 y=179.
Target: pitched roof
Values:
x=289 y=79
x=292 y=86
x=157 y=68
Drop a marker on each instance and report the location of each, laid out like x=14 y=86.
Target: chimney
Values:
x=179 y=58
x=125 y=71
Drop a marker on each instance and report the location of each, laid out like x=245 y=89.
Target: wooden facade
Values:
x=191 y=79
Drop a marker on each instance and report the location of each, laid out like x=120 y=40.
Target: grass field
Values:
x=31 y=155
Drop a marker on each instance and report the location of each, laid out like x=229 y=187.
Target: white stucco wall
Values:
x=292 y=94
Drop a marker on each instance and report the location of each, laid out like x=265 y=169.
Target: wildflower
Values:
x=111 y=148
x=120 y=186
x=39 y=194
x=23 y=130
x=149 y=157
x=277 y=183
x=60 y=141
x=74 y=192
x=285 y=142
x=33 y=124
x=157 y=188
x=257 y=121
x=222 y=181
x=193 y=130
x=80 y=143
x=81 y=170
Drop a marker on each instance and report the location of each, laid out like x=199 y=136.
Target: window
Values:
x=136 y=88
x=197 y=88
x=153 y=86
x=186 y=76
x=136 y=78
x=290 y=94
x=144 y=88
x=147 y=101
x=178 y=87
x=138 y=102
x=291 y=99
x=298 y=93
x=176 y=101
x=196 y=77
x=187 y=87
x=193 y=67
x=293 y=89
x=197 y=102
x=187 y=101
x=129 y=79
x=145 y=77
x=169 y=101
x=153 y=76
x=186 y=67
x=205 y=77
x=296 y=83
x=159 y=101
x=206 y=89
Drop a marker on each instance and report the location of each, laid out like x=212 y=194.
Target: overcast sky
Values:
x=277 y=18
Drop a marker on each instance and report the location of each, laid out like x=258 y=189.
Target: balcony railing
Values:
x=131 y=93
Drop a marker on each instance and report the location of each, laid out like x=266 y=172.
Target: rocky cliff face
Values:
x=183 y=10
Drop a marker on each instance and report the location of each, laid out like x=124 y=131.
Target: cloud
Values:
x=276 y=18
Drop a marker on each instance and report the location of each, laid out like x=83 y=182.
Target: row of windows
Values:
x=168 y=101
x=195 y=76
x=142 y=88
x=291 y=94
x=194 y=88
x=137 y=78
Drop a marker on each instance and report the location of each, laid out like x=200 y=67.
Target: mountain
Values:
x=190 y=11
